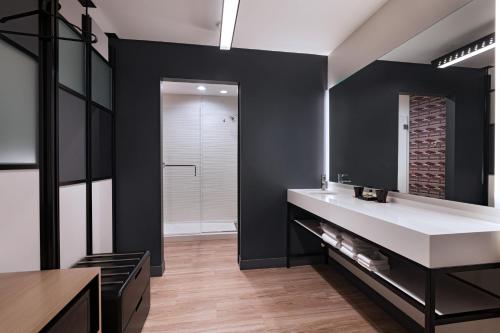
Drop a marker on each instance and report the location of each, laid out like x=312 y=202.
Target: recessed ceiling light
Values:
x=201 y=88
x=229 y=14
x=223 y=91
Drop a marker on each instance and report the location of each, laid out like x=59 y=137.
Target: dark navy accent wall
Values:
x=280 y=138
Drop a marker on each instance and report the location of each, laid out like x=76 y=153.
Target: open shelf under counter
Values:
x=453 y=295
x=311 y=225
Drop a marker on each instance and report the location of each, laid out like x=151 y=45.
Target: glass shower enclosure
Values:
x=200 y=149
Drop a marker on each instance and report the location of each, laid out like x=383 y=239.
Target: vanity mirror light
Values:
x=420 y=120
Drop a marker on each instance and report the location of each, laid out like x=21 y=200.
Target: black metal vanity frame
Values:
x=431 y=274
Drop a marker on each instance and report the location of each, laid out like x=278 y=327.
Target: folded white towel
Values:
x=332 y=235
x=358 y=248
x=348 y=252
x=333 y=242
x=328 y=229
x=354 y=242
x=381 y=268
x=375 y=258
x=347 y=236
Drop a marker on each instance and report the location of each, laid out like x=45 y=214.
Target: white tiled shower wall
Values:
x=201 y=131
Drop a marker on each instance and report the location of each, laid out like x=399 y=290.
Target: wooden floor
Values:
x=202 y=290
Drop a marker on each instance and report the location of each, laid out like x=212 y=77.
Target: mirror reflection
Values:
x=420 y=119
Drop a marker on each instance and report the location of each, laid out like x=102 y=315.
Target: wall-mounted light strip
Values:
x=229 y=15
x=479 y=46
x=496 y=115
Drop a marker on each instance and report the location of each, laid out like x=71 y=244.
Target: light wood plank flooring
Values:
x=203 y=290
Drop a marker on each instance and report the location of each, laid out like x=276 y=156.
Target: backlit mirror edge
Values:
x=416 y=198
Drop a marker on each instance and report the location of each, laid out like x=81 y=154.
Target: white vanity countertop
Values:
x=427 y=234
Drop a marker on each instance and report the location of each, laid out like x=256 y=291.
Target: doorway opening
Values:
x=422 y=145
x=200 y=158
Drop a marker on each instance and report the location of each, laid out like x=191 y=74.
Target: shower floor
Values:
x=181 y=228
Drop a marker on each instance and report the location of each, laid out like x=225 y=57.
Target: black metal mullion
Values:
x=18 y=46
x=101 y=107
x=71 y=91
x=113 y=144
x=48 y=142
x=18 y=166
x=430 y=301
x=87 y=29
x=72 y=182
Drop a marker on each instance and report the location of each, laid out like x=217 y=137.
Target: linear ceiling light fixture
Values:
x=229 y=15
x=479 y=46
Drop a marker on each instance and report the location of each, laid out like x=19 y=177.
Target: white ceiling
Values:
x=303 y=26
x=469 y=23
x=191 y=88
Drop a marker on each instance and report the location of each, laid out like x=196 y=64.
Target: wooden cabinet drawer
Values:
x=124 y=281
x=76 y=318
x=133 y=291
x=140 y=313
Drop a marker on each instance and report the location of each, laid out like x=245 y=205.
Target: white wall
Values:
x=395 y=23
x=202 y=131
x=19 y=220
x=219 y=158
x=102 y=216
x=72 y=224
x=404 y=119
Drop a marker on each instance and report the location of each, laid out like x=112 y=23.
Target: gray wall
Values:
x=280 y=138
x=364 y=124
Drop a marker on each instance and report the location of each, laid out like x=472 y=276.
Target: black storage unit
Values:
x=125 y=290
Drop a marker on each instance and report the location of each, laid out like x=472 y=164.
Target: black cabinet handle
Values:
x=138 y=272
x=138 y=304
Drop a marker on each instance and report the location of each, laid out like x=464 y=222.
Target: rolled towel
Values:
x=333 y=242
x=348 y=252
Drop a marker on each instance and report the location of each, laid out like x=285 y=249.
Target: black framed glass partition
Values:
x=47 y=113
x=19 y=109
x=71 y=59
x=102 y=141
x=72 y=145
x=101 y=81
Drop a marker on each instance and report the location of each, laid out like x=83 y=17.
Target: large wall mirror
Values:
x=420 y=119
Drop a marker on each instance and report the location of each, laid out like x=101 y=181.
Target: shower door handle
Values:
x=182 y=165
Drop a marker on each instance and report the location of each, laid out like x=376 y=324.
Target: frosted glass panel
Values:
x=102 y=152
x=71 y=60
x=18 y=106
x=101 y=81
x=71 y=137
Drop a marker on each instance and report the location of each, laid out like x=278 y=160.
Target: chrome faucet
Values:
x=324 y=182
x=343 y=178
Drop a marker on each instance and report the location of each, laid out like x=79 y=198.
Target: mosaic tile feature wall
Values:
x=427 y=146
